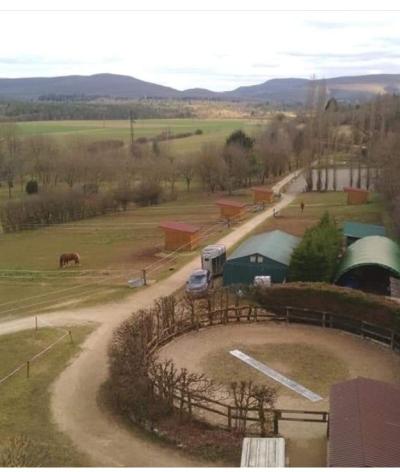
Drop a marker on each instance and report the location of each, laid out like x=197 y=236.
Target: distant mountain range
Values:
x=287 y=91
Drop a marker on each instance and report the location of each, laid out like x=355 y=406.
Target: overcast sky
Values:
x=219 y=50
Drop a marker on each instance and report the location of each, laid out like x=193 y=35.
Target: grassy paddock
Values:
x=25 y=403
x=113 y=249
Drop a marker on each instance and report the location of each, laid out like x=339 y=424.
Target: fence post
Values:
x=229 y=417
x=392 y=339
x=70 y=336
x=144 y=277
x=36 y=324
x=27 y=369
x=276 y=422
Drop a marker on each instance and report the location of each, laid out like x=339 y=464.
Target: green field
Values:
x=113 y=249
x=25 y=402
x=213 y=130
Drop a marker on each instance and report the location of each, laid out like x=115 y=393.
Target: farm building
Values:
x=230 y=209
x=265 y=254
x=263 y=452
x=364 y=424
x=353 y=231
x=263 y=195
x=368 y=264
x=356 y=196
x=180 y=236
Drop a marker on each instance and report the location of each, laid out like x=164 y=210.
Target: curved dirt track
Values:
x=74 y=400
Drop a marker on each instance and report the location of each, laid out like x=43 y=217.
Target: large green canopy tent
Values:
x=369 y=263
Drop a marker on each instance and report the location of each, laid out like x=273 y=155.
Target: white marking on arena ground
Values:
x=276 y=376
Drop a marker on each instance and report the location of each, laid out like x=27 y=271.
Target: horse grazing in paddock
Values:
x=65 y=259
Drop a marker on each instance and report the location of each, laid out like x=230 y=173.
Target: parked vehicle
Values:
x=213 y=258
x=200 y=281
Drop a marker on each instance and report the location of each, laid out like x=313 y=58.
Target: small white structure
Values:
x=262 y=281
x=263 y=452
x=213 y=258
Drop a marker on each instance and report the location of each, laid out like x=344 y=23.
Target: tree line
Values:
x=59 y=108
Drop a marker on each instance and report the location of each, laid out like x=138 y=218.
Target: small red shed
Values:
x=231 y=209
x=180 y=236
x=356 y=196
x=263 y=195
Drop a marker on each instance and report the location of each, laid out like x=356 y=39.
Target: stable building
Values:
x=265 y=254
x=364 y=419
x=353 y=231
x=263 y=195
x=231 y=209
x=180 y=236
x=356 y=196
x=369 y=264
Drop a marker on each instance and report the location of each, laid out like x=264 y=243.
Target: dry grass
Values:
x=311 y=366
x=25 y=402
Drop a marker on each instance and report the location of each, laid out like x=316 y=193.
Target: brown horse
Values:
x=66 y=258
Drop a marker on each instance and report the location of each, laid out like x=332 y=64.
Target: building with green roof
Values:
x=368 y=264
x=264 y=254
x=353 y=231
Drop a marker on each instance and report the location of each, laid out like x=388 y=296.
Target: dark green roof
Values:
x=275 y=245
x=353 y=229
x=371 y=250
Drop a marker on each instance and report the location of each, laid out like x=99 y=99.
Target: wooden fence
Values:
x=226 y=415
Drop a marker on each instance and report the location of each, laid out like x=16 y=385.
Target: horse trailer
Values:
x=213 y=258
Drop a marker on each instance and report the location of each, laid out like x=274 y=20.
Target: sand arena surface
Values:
x=348 y=355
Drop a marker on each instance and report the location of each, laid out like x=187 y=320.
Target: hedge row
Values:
x=50 y=208
x=325 y=297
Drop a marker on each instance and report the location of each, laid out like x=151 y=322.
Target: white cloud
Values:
x=219 y=50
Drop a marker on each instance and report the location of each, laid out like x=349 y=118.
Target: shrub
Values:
x=148 y=193
x=53 y=208
x=124 y=196
x=315 y=258
x=19 y=451
x=31 y=187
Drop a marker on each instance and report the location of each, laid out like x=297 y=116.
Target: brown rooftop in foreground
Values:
x=364 y=424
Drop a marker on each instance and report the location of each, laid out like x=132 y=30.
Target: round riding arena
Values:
x=312 y=356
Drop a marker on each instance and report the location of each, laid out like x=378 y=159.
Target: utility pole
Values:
x=131 y=121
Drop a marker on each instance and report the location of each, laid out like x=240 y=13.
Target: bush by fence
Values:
x=146 y=389
x=322 y=297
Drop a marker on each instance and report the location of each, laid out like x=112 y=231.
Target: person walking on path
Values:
x=302 y=206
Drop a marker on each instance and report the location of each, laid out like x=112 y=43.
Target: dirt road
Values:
x=74 y=404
